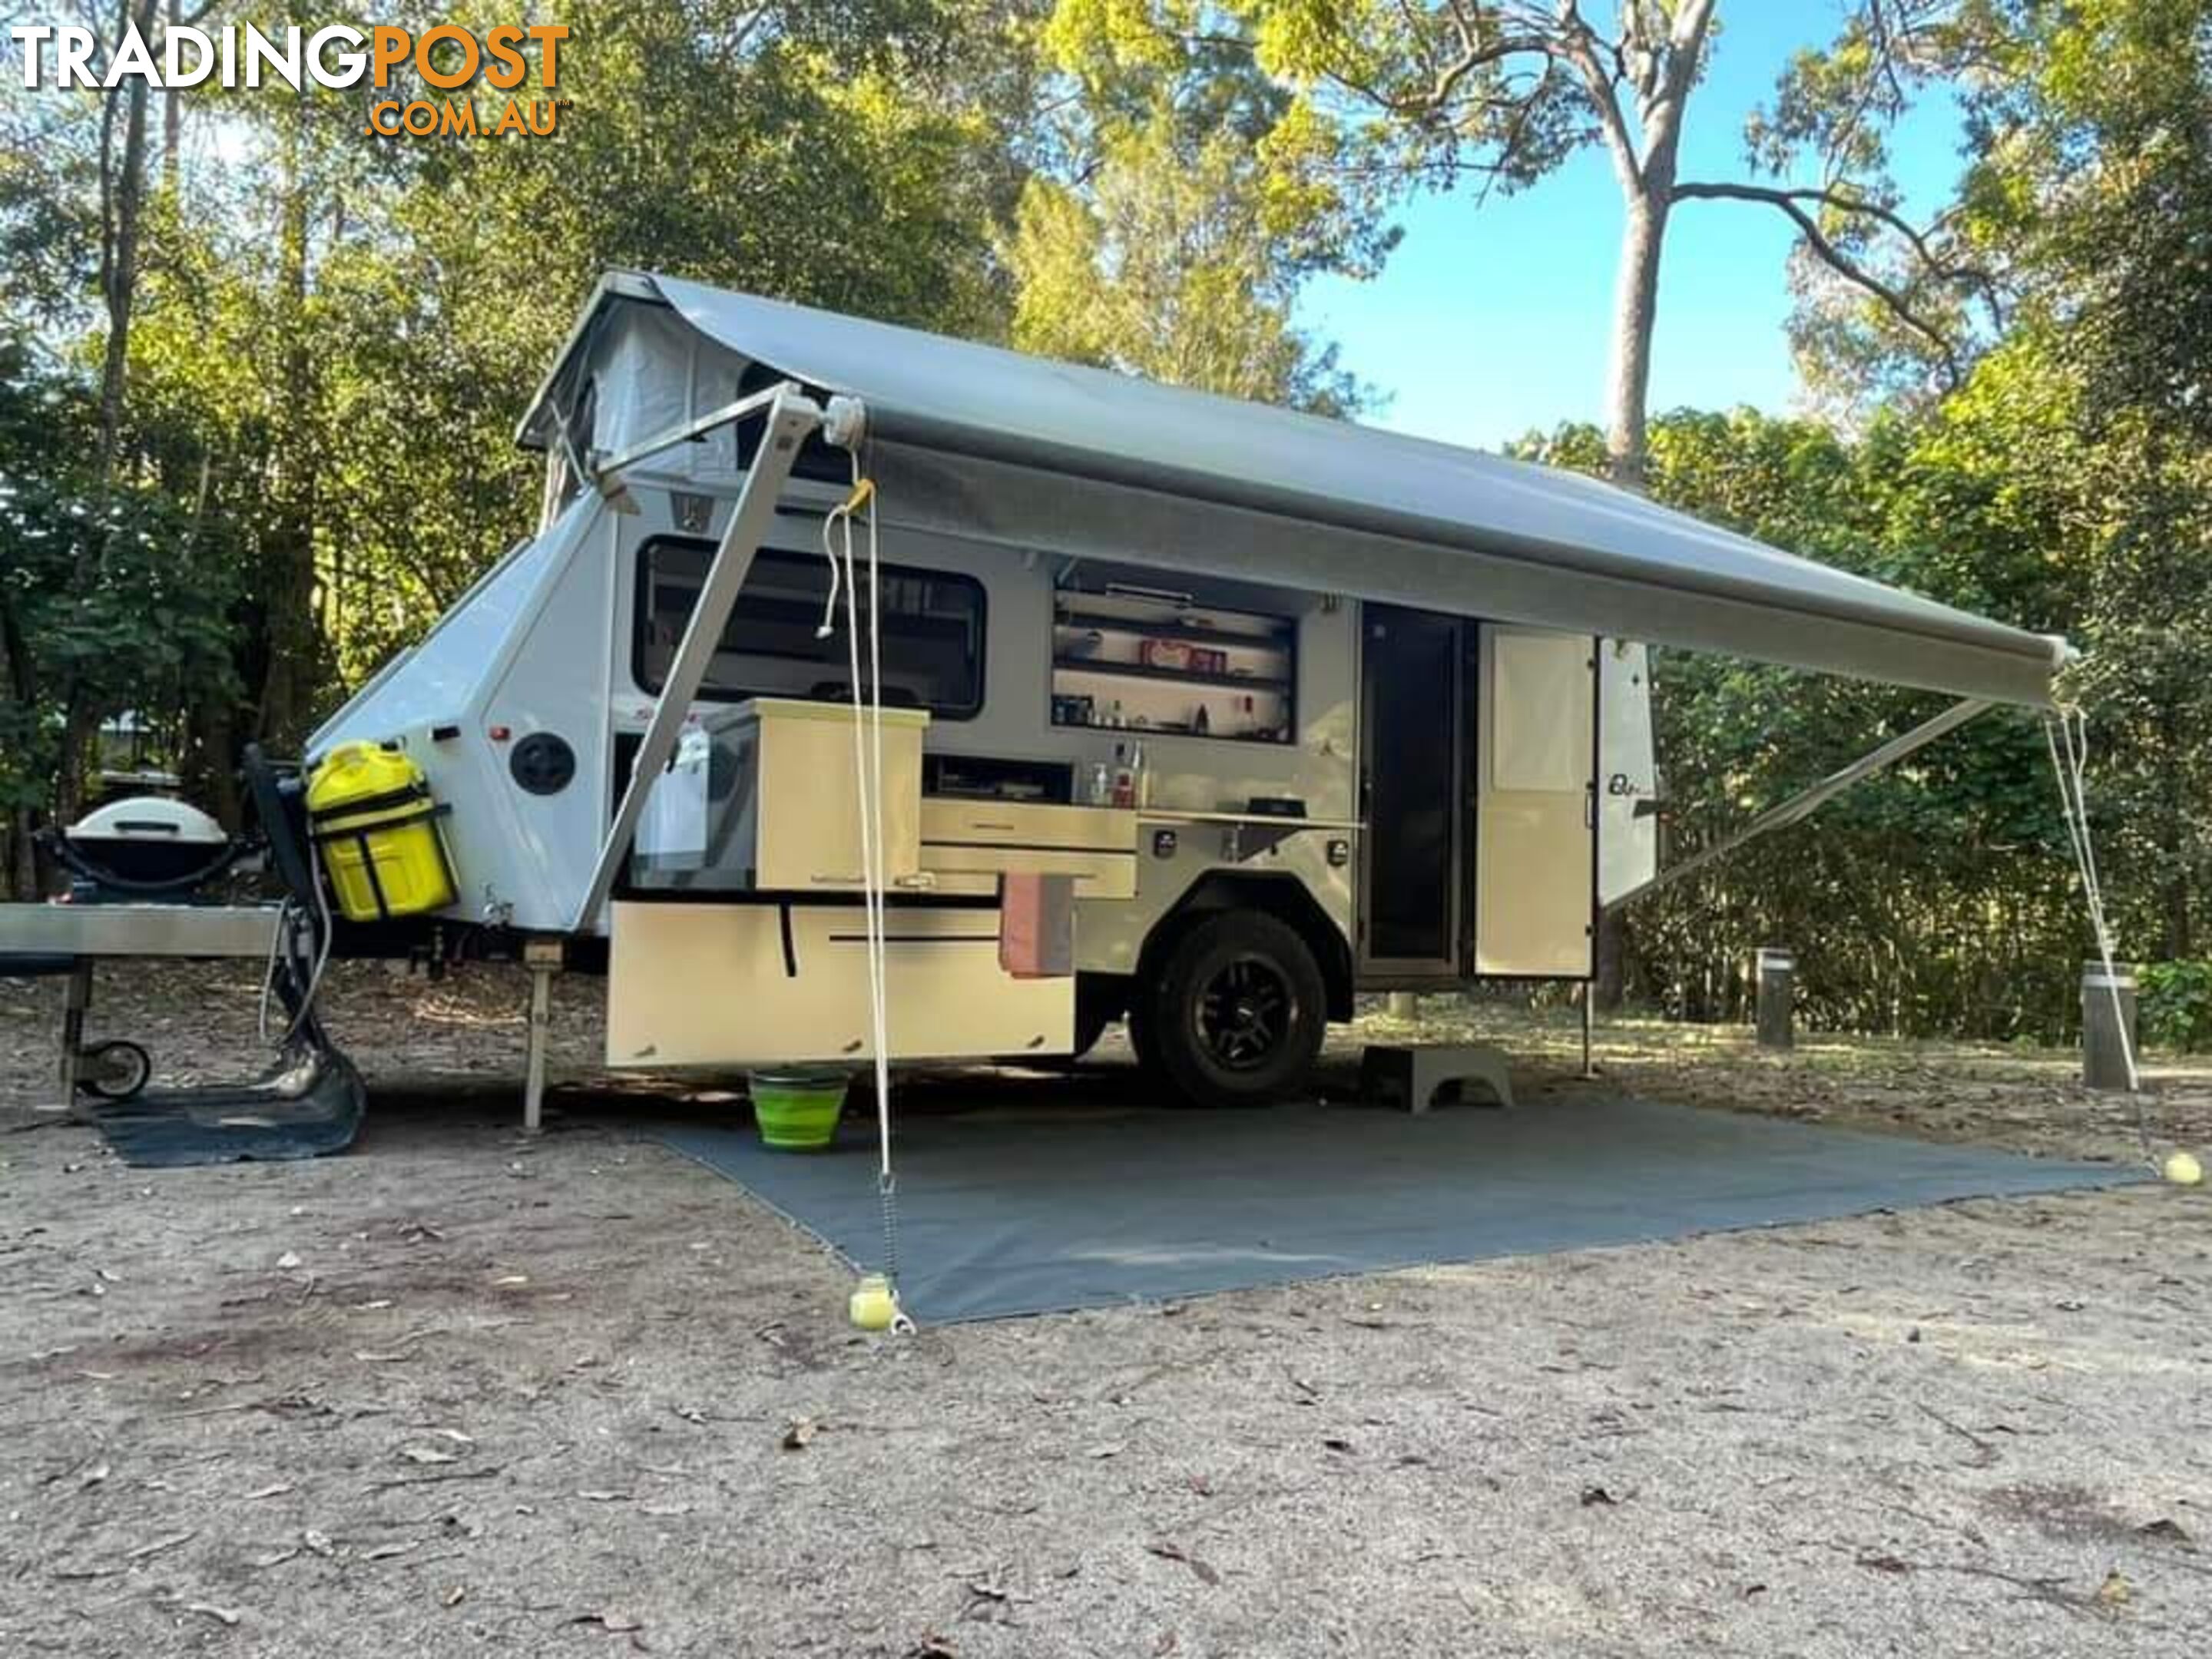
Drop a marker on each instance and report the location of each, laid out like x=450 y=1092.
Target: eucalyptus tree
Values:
x=1493 y=95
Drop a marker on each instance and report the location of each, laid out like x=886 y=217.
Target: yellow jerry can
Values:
x=371 y=818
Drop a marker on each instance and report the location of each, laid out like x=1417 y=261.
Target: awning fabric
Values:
x=981 y=441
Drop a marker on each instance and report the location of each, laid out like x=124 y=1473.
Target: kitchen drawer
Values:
x=976 y=869
x=715 y=985
x=1030 y=824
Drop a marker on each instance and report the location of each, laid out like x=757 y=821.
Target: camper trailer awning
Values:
x=979 y=441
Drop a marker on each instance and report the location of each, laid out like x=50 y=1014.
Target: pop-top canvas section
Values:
x=634 y=369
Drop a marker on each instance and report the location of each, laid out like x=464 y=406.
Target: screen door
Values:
x=1411 y=782
x=1536 y=803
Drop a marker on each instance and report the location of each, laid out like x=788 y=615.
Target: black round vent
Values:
x=543 y=763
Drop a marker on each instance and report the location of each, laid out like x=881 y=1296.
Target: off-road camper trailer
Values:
x=1061 y=697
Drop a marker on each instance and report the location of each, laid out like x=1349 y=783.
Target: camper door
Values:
x=1536 y=803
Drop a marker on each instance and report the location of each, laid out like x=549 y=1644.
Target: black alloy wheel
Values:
x=1236 y=1011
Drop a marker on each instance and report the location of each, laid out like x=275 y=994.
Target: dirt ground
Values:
x=464 y=1392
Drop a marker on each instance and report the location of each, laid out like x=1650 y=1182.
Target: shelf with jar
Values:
x=1165 y=665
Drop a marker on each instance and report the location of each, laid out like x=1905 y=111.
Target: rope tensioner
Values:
x=2067 y=733
x=874 y=1303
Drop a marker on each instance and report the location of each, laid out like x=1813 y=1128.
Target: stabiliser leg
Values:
x=543 y=957
x=77 y=1001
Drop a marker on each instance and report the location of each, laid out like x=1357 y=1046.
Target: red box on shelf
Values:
x=1182 y=654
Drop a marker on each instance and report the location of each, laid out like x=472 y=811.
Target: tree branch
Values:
x=1579 y=44
x=1792 y=204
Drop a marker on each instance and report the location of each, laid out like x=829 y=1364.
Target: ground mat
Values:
x=309 y=1104
x=1013 y=1212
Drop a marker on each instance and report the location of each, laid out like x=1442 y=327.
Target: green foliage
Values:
x=1184 y=200
x=1938 y=896
x=148 y=632
x=2064 y=484
x=332 y=335
x=1162 y=266
x=2174 y=1005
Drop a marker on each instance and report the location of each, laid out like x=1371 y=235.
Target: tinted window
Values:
x=933 y=630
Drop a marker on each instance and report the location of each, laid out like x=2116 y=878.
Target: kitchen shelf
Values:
x=1278 y=639
x=1138 y=734
x=1139 y=671
x=1101 y=683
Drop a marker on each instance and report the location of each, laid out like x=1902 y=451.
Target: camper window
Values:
x=933 y=630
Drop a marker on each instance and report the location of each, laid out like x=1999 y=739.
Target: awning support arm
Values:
x=1806 y=802
x=670 y=437
x=792 y=418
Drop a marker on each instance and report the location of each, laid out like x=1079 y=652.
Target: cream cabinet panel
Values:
x=737 y=985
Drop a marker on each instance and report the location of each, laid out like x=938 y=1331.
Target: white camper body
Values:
x=1393 y=705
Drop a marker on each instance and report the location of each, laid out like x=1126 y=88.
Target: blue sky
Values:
x=1489 y=321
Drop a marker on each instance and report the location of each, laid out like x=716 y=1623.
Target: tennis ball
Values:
x=2183 y=1169
x=872 y=1306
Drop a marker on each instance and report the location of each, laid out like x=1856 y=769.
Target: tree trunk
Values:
x=2175 y=833
x=287 y=549
x=210 y=763
x=172 y=111
x=119 y=288
x=1635 y=306
x=120 y=268
x=22 y=862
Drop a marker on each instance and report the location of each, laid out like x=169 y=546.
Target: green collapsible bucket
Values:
x=797 y=1110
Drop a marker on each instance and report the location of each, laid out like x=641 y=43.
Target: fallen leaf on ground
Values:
x=1172 y=1551
x=1593 y=1496
x=606 y=1620
x=2115 y=1590
x=386 y=1552
x=800 y=1434
x=427 y=1455
x=221 y=1615
x=274 y=1489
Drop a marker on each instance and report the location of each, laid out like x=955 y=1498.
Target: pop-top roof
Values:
x=1035 y=452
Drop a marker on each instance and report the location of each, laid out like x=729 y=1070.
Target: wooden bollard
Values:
x=1778 y=998
x=2108 y=1024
